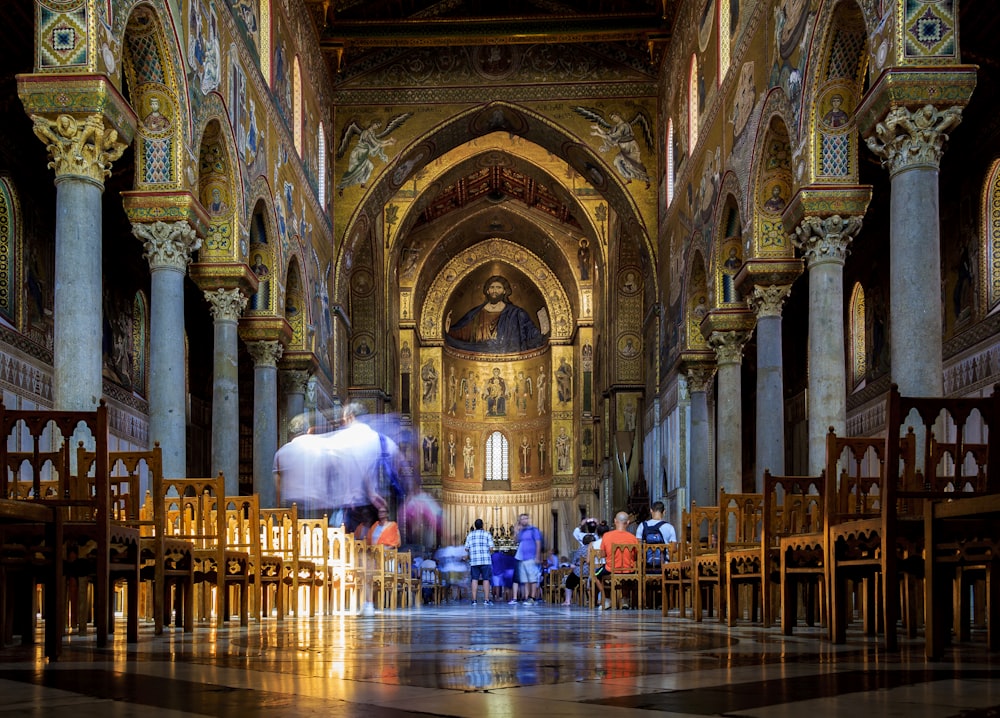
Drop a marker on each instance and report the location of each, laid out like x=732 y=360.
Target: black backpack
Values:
x=651 y=534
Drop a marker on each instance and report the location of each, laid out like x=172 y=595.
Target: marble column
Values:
x=226 y=305
x=911 y=143
x=265 y=418
x=825 y=241
x=293 y=384
x=766 y=302
x=728 y=348
x=703 y=489
x=81 y=152
x=168 y=247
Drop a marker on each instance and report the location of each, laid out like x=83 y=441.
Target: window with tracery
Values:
x=10 y=258
x=857 y=334
x=497 y=461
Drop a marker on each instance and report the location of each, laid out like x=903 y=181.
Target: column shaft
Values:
x=226 y=404
x=167 y=386
x=265 y=419
x=729 y=448
x=827 y=387
x=770 y=399
x=703 y=487
x=78 y=309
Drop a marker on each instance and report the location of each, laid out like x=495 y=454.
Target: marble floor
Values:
x=489 y=661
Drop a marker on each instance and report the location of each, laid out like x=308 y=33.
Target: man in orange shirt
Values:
x=622 y=561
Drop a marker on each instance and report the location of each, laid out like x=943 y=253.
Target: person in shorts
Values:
x=479 y=544
x=529 y=551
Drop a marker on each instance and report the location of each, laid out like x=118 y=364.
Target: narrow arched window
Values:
x=11 y=259
x=693 y=106
x=497 y=462
x=670 y=161
x=858 y=329
x=724 y=39
x=321 y=165
x=297 y=105
x=140 y=343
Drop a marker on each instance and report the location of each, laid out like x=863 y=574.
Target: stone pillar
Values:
x=728 y=346
x=81 y=149
x=766 y=302
x=168 y=247
x=265 y=418
x=293 y=384
x=906 y=119
x=226 y=305
x=703 y=489
x=825 y=243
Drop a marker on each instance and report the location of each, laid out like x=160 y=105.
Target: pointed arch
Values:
x=295 y=304
x=14 y=265
x=991 y=233
x=728 y=250
x=263 y=257
x=698 y=304
x=140 y=344
x=772 y=184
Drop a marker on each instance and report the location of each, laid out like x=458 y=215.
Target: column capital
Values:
x=226 y=305
x=167 y=245
x=83 y=120
x=826 y=239
x=767 y=300
x=699 y=369
x=728 y=346
x=906 y=116
x=293 y=381
x=265 y=354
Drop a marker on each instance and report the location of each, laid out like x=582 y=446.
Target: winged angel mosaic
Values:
x=617 y=133
x=371 y=143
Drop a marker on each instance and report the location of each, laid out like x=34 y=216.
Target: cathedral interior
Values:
x=583 y=256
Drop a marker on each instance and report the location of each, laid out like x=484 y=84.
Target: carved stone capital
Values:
x=699 y=378
x=167 y=244
x=293 y=381
x=265 y=353
x=913 y=138
x=82 y=148
x=826 y=239
x=226 y=305
x=767 y=300
x=728 y=346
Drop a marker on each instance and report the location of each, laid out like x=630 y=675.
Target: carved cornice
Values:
x=167 y=245
x=727 y=320
x=763 y=272
x=301 y=361
x=78 y=96
x=826 y=201
x=166 y=206
x=265 y=329
x=224 y=275
x=226 y=305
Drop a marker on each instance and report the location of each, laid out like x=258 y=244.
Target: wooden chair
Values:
x=676 y=581
x=793 y=548
x=243 y=534
x=706 y=562
x=407 y=586
x=430 y=581
x=345 y=573
x=314 y=545
x=94 y=549
x=741 y=560
x=280 y=537
x=624 y=570
x=595 y=559
x=194 y=511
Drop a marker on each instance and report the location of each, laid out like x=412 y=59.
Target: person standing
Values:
x=384 y=532
x=529 y=550
x=479 y=544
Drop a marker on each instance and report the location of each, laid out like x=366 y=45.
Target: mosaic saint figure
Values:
x=372 y=141
x=497 y=326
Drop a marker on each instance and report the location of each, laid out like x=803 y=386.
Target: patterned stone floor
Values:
x=483 y=662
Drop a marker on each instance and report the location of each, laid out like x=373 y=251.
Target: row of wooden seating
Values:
x=857 y=539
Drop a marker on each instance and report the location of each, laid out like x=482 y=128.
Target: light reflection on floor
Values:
x=501 y=660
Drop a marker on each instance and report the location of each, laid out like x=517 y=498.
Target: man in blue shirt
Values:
x=529 y=549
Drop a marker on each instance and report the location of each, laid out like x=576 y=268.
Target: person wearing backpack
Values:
x=656 y=530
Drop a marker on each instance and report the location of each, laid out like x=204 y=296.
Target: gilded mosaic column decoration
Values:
x=700 y=376
x=265 y=356
x=168 y=247
x=906 y=120
x=727 y=332
x=226 y=306
x=825 y=242
x=85 y=125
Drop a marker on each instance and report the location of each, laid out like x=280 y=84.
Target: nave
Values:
x=461 y=660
